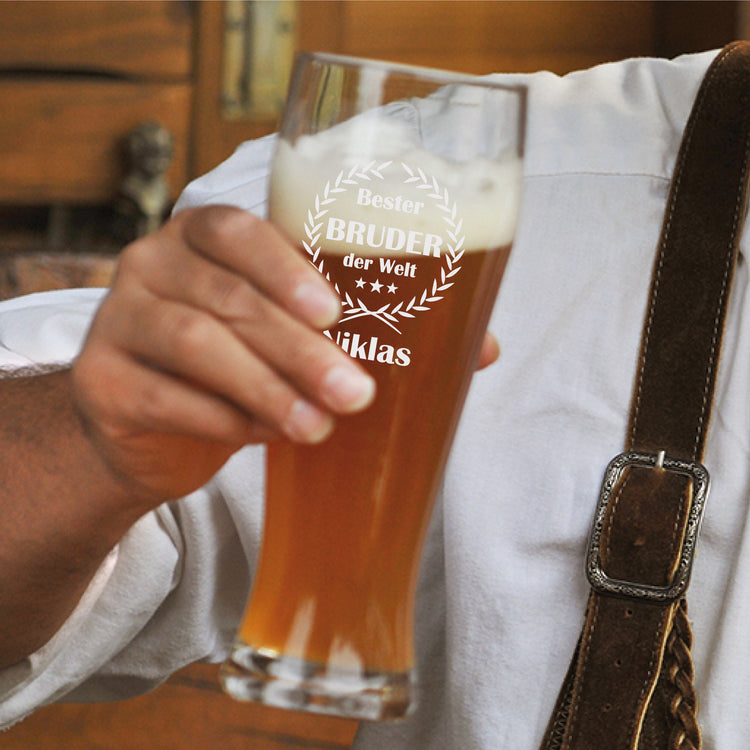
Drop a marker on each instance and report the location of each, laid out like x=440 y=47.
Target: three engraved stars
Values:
x=376 y=285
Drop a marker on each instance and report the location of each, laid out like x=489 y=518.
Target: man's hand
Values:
x=210 y=339
x=490 y=351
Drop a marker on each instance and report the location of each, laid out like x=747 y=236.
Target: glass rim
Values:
x=436 y=75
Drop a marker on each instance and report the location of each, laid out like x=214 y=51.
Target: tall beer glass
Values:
x=402 y=186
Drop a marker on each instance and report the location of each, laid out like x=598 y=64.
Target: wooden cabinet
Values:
x=139 y=39
x=62 y=141
x=75 y=79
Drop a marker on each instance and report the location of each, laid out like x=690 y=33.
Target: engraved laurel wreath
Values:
x=389 y=313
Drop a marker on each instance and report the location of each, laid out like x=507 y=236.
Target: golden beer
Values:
x=345 y=519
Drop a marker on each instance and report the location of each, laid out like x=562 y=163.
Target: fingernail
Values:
x=348 y=389
x=307 y=424
x=319 y=305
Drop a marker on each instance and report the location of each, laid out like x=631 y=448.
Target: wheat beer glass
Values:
x=401 y=185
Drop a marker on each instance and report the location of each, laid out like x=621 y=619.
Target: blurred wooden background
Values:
x=76 y=78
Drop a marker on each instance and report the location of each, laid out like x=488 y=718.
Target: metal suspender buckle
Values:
x=598 y=579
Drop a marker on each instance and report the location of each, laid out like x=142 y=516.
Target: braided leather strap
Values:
x=678 y=670
x=630 y=684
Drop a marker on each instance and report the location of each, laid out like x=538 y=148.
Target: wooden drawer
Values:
x=62 y=139
x=132 y=38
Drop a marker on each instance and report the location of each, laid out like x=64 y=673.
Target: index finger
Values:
x=259 y=252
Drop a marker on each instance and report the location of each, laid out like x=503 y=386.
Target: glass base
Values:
x=285 y=682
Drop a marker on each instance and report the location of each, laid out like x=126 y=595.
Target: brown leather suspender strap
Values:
x=629 y=686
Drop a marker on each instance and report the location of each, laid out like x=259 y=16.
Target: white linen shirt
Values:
x=502 y=591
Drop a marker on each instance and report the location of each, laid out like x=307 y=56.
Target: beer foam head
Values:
x=375 y=172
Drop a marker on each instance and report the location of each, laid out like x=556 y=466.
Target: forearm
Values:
x=61 y=511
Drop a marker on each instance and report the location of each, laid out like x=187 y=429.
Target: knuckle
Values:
x=136 y=259
x=95 y=378
x=189 y=334
x=140 y=400
x=150 y=402
x=227 y=294
x=316 y=355
x=272 y=404
x=255 y=313
x=238 y=303
x=140 y=405
x=216 y=225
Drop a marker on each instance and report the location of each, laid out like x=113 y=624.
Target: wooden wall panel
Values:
x=690 y=25
x=488 y=37
x=473 y=36
x=63 y=139
x=136 y=38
